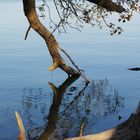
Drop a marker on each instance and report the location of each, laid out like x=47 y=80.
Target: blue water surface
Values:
x=24 y=74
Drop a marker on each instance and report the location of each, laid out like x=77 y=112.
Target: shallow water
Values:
x=24 y=78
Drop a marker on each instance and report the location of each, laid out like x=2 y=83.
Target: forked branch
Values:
x=34 y=22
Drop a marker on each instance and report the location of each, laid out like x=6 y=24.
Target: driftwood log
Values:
x=128 y=130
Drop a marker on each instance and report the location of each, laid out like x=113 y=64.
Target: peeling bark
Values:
x=58 y=61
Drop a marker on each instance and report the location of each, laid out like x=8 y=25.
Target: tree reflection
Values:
x=81 y=104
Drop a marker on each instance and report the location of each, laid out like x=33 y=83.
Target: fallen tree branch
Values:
x=35 y=23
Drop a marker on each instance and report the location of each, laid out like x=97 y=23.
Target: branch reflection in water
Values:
x=71 y=107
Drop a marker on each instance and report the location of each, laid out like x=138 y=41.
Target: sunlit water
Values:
x=24 y=77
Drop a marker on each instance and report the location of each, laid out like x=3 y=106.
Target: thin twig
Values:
x=82 y=129
x=81 y=72
x=27 y=32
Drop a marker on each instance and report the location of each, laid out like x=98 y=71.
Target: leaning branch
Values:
x=81 y=72
x=27 y=32
x=35 y=23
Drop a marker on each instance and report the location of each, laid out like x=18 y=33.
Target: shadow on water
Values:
x=72 y=106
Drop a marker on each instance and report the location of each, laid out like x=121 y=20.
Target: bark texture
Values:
x=58 y=61
x=109 y=5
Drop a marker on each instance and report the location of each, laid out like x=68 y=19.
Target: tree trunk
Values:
x=58 y=61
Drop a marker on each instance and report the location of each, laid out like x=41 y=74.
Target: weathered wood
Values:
x=34 y=22
x=21 y=135
x=128 y=130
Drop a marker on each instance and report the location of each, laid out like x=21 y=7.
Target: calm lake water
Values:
x=26 y=85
